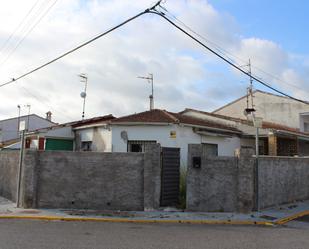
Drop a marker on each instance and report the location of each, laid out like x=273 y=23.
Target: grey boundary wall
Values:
x=227 y=184
x=91 y=180
x=8 y=174
x=283 y=180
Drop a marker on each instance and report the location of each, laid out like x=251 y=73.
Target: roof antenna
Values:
x=149 y=78
x=250 y=108
x=84 y=79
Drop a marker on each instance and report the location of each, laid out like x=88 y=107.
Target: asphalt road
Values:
x=26 y=234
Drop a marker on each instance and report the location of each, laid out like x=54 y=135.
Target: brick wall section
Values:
x=213 y=187
x=8 y=174
x=245 y=181
x=272 y=145
x=228 y=184
x=111 y=181
x=91 y=180
x=283 y=180
x=152 y=177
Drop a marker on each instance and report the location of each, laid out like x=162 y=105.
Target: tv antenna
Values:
x=250 y=106
x=83 y=79
x=149 y=78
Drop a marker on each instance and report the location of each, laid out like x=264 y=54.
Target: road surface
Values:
x=26 y=234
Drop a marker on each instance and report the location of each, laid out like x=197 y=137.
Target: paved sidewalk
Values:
x=273 y=216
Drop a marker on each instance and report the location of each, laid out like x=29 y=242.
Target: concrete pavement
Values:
x=26 y=234
x=273 y=216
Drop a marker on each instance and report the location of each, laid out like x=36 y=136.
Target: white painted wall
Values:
x=100 y=136
x=271 y=108
x=161 y=134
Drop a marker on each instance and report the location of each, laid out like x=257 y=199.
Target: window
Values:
x=138 y=145
x=86 y=146
x=306 y=127
x=210 y=149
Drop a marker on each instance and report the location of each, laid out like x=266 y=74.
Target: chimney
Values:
x=48 y=115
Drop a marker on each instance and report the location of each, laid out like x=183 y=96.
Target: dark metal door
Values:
x=170 y=162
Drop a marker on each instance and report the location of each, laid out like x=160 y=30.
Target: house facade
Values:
x=131 y=133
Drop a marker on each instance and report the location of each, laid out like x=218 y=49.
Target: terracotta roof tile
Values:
x=90 y=121
x=266 y=125
x=163 y=116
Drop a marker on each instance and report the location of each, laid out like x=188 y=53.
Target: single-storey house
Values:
x=131 y=133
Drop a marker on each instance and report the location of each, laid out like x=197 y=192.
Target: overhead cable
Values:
x=161 y=14
x=80 y=46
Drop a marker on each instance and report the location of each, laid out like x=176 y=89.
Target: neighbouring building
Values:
x=274 y=139
x=58 y=137
x=93 y=134
x=131 y=133
x=272 y=108
x=82 y=135
x=9 y=128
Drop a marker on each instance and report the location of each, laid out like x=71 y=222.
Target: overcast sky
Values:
x=271 y=33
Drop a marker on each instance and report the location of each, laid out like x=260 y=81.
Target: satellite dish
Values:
x=124 y=135
x=83 y=95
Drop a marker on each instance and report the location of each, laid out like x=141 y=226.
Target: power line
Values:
x=217 y=47
x=18 y=26
x=44 y=103
x=81 y=45
x=154 y=11
x=225 y=52
x=151 y=10
x=27 y=33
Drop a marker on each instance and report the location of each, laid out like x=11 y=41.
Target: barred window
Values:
x=138 y=145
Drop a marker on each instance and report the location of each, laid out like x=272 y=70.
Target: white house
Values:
x=131 y=133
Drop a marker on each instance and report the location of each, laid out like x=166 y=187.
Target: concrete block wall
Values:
x=229 y=184
x=8 y=174
x=283 y=180
x=213 y=186
x=91 y=180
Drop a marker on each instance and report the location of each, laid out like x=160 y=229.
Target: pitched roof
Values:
x=213 y=115
x=163 y=116
x=30 y=115
x=265 y=125
x=269 y=125
x=256 y=91
x=89 y=121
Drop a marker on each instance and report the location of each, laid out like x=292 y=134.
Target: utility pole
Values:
x=257 y=122
x=250 y=88
x=22 y=128
x=149 y=78
x=18 y=120
x=84 y=79
x=28 y=118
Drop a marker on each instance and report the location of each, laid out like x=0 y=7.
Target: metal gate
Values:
x=170 y=163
